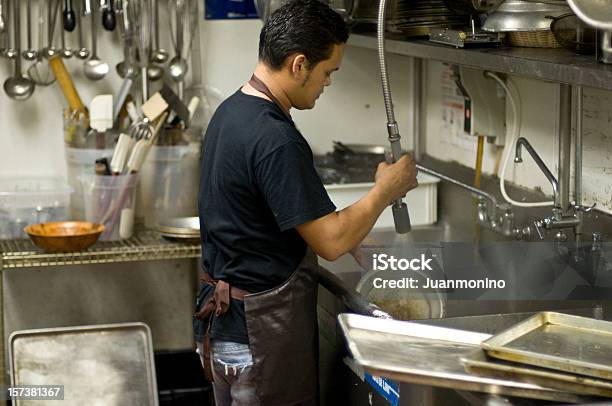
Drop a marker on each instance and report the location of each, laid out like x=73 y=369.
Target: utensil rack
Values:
x=145 y=245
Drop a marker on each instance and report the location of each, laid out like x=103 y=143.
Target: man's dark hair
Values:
x=301 y=26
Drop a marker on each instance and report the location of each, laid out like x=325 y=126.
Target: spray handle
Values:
x=401 y=218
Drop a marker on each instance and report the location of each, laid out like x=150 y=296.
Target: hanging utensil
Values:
x=2 y=23
x=30 y=53
x=108 y=16
x=39 y=71
x=51 y=51
x=178 y=66
x=94 y=68
x=66 y=52
x=125 y=68
x=142 y=26
x=18 y=87
x=159 y=55
x=69 y=17
x=82 y=52
x=9 y=52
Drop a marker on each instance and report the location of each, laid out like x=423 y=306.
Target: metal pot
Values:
x=597 y=14
x=473 y=6
x=524 y=16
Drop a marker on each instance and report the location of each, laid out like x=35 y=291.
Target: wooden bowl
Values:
x=64 y=236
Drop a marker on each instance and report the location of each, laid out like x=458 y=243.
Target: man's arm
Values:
x=337 y=233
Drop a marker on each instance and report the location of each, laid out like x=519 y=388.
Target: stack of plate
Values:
x=410 y=17
x=180 y=228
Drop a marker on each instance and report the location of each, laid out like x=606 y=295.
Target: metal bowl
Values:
x=526 y=16
x=402 y=304
x=64 y=236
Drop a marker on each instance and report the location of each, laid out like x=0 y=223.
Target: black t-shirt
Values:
x=258 y=182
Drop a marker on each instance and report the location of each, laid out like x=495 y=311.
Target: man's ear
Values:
x=299 y=66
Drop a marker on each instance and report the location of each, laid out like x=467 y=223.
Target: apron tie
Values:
x=220 y=300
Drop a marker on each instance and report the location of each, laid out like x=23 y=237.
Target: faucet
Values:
x=557 y=220
x=491 y=214
x=551 y=178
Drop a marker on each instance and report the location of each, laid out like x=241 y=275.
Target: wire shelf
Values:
x=146 y=245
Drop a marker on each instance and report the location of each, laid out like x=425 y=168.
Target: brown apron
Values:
x=281 y=325
x=283 y=338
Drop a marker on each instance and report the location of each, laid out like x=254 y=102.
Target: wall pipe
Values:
x=564 y=139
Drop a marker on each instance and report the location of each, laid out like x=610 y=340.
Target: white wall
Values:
x=538 y=106
x=351 y=110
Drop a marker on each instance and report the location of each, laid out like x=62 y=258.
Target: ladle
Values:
x=94 y=68
x=30 y=53
x=18 y=87
x=82 y=52
x=178 y=66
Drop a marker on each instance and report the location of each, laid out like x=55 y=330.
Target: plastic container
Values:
x=111 y=201
x=422 y=202
x=31 y=200
x=169 y=183
x=81 y=162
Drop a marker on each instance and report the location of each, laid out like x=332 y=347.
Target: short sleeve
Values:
x=291 y=186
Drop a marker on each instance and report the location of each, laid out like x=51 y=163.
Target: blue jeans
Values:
x=233 y=379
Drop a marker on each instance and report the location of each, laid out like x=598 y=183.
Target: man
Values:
x=264 y=215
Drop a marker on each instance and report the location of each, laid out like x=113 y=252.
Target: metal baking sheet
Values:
x=579 y=345
x=478 y=363
x=109 y=365
x=430 y=355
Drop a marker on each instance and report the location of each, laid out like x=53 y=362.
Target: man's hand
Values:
x=395 y=180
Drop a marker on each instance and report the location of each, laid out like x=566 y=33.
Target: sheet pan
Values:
x=478 y=363
x=98 y=365
x=574 y=344
x=430 y=355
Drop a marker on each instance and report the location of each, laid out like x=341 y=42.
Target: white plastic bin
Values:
x=169 y=183
x=422 y=202
x=31 y=200
x=82 y=162
x=111 y=200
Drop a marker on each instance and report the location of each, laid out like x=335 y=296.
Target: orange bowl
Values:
x=64 y=236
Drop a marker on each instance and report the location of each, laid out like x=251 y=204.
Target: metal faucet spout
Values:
x=522 y=142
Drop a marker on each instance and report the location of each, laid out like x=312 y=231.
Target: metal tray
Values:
x=180 y=225
x=478 y=363
x=558 y=341
x=430 y=355
x=106 y=364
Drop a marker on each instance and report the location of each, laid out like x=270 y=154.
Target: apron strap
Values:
x=260 y=86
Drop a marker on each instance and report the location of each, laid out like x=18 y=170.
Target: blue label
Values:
x=229 y=9
x=385 y=387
